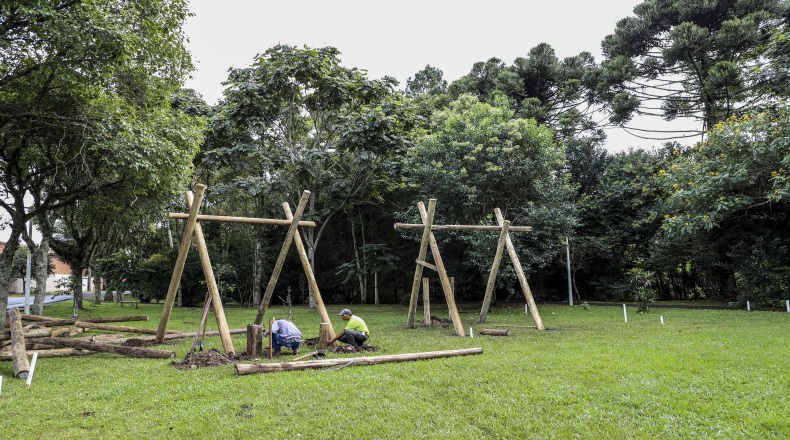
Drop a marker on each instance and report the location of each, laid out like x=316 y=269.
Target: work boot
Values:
x=296 y=350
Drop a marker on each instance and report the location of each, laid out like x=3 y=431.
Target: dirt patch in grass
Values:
x=213 y=358
x=209 y=358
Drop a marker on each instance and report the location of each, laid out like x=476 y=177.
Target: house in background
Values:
x=59 y=275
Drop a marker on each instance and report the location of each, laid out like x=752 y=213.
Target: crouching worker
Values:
x=356 y=331
x=285 y=334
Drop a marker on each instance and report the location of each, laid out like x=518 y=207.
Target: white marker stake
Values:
x=32 y=368
x=526 y=309
x=470 y=333
x=625 y=315
x=662 y=320
x=1 y=385
x=748 y=306
x=787 y=303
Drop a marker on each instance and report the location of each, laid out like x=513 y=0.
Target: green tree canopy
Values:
x=690 y=58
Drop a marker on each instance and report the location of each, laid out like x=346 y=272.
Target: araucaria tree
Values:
x=693 y=59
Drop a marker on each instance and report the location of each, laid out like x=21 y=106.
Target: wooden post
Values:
x=211 y=283
x=494 y=332
x=242 y=369
x=183 y=250
x=254 y=340
x=426 y=303
x=324 y=331
x=201 y=325
x=271 y=337
x=18 y=352
x=267 y=296
x=308 y=271
x=522 y=279
x=448 y=291
x=494 y=270
x=415 y=285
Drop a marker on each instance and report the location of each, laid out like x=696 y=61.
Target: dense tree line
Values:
x=677 y=222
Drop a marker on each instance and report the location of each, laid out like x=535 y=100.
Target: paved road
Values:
x=19 y=301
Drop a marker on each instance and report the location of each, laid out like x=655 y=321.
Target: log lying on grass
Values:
x=58 y=321
x=494 y=332
x=32 y=333
x=115 y=328
x=182 y=335
x=67 y=331
x=242 y=369
x=108 y=348
x=51 y=353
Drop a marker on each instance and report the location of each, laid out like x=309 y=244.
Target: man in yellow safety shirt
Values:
x=356 y=331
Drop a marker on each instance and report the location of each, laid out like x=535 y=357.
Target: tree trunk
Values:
x=97 y=286
x=41 y=265
x=6 y=262
x=357 y=260
x=51 y=353
x=242 y=369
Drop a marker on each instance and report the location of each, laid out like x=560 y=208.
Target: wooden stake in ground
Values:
x=18 y=352
x=254 y=339
x=426 y=304
x=445 y=280
x=308 y=271
x=178 y=270
x=415 y=285
x=242 y=369
x=522 y=279
x=494 y=270
x=325 y=334
x=271 y=337
x=211 y=283
x=278 y=265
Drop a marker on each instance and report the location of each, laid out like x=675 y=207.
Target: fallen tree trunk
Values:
x=58 y=321
x=494 y=332
x=18 y=352
x=50 y=353
x=242 y=369
x=108 y=348
x=115 y=328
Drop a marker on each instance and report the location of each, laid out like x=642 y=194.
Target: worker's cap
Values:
x=345 y=312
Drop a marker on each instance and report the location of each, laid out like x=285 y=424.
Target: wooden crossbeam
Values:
x=462 y=227
x=254 y=221
x=426 y=264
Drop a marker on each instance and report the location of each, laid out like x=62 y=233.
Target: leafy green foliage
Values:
x=478 y=157
x=729 y=194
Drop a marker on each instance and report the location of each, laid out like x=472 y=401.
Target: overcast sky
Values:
x=399 y=38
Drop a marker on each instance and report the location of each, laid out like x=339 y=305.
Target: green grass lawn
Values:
x=719 y=374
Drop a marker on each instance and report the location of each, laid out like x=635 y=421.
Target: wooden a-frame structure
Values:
x=428 y=239
x=213 y=299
